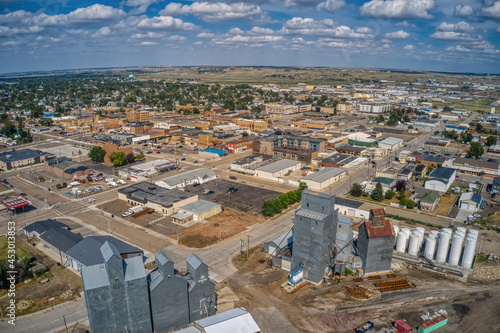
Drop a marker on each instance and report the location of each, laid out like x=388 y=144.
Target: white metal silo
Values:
x=461 y=229
x=396 y=232
x=430 y=247
x=456 y=248
x=401 y=241
x=469 y=251
x=413 y=245
x=443 y=245
x=435 y=233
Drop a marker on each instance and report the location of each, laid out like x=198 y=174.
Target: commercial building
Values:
x=20 y=158
x=66 y=168
x=406 y=173
x=391 y=144
x=315 y=226
x=429 y=202
x=323 y=178
x=254 y=125
x=37 y=228
x=59 y=241
x=375 y=242
x=471 y=166
x=138 y=116
x=140 y=172
x=160 y=199
x=196 y=176
x=495 y=186
x=235 y=320
x=239 y=146
x=432 y=160
x=197 y=211
x=470 y=201
x=440 y=179
x=277 y=169
x=351 y=208
x=267 y=145
x=283 y=108
x=343 y=107
x=387 y=184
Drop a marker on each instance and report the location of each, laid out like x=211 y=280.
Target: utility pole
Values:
x=64 y=318
x=248 y=246
x=241 y=249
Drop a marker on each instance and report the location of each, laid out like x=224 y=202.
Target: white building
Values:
x=323 y=178
x=374 y=107
x=197 y=176
x=440 y=179
x=391 y=143
x=277 y=169
x=235 y=320
x=140 y=172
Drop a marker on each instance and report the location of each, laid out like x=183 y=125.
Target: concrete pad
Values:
x=270 y=320
x=226 y=295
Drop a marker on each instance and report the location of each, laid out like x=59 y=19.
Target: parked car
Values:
x=158 y=152
x=232 y=189
x=373 y=162
x=91 y=200
x=233 y=178
x=183 y=159
x=127 y=213
x=483 y=204
x=195 y=162
x=208 y=192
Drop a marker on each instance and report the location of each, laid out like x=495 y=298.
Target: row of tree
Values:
x=275 y=206
x=117 y=158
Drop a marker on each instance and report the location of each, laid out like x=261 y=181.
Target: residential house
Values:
x=470 y=201
x=429 y=202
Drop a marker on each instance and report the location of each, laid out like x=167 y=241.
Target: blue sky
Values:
x=441 y=35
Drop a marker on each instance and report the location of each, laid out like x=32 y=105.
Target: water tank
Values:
x=456 y=248
x=396 y=231
x=443 y=245
x=435 y=233
x=469 y=251
x=461 y=229
x=414 y=244
x=402 y=240
x=430 y=247
x=420 y=237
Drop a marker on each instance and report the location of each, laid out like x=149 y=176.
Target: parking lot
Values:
x=247 y=199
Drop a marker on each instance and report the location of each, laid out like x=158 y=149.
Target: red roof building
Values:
x=16 y=203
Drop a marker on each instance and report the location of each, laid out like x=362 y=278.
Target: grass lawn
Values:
x=20 y=252
x=444 y=205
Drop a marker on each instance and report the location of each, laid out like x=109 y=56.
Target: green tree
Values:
x=140 y=156
x=410 y=204
x=97 y=154
x=45 y=122
x=378 y=192
x=479 y=128
x=118 y=158
x=476 y=149
x=356 y=190
x=490 y=141
x=403 y=201
x=389 y=194
x=302 y=186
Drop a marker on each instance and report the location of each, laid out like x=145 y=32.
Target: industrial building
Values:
x=196 y=176
x=277 y=169
x=375 y=242
x=470 y=201
x=140 y=172
x=66 y=168
x=323 y=178
x=351 y=208
x=440 y=179
x=197 y=211
x=121 y=297
x=235 y=320
x=391 y=143
x=315 y=226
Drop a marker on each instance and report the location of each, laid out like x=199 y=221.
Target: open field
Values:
x=20 y=252
x=480 y=105
x=445 y=204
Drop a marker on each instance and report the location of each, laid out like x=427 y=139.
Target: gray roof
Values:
x=162 y=258
x=144 y=192
x=181 y=215
x=345 y=219
x=108 y=250
x=391 y=141
x=227 y=316
x=19 y=155
x=442 y=174
x=324 y=174
x=190 y=329
x=199 y=207
x=282 y=239
x=87 y=251
x=474 y=197
x=278 y=165
x=61 y=239
x=311 y=214
x=439 y=159
x=94 y=276
x=348 y=202
x=340 y=159
x=188 y=175
x=42 y=226
x=134 y=269
x=194 y=261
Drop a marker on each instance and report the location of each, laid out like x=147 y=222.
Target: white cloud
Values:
x=146 y=35
x=198 y=43
x=400 y=34
x=214 y=12
x=462 y=10
x=239 y=39
x=260 y=31
x=498 y=29
x=325 y=28
x=364 y=30
x=148 y=43
x=141 y=5
x=454 y=36
x=491 y=9
x=176 y=38
x=11 y=43
x=404 y=24
x=166 y=23
x=308 y=23
x=235 y=31
x=458 y=27
x=458 y=48
x=386 y=41
x=205 y=35
x=397 y=9
x=409 y=48
x=331 y=5
x=102 y=32
x=6 y=31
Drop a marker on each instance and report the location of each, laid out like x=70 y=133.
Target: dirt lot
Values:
x=247 y=199
x=329 y=308
x=228 y=223
x=118 y=207
x=445 y=204
x=33 y=296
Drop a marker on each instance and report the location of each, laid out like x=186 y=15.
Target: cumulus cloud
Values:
x=215 y=12
x=409 y=48
x=147 y=43
x=462 y=10
x=454 y=36
x=103 y=32
x=205 y=35
x=491 y=9
x=260 y=31
x=400 y=34
x=147 y=35
x=397 y=9
x=331 y=5
x=458 y=48
x=176 y=38
x=11 y=43
x=239 y=39
x=404 y=24
x=7 y=31
x=326 y=28
x=458 y=27
x=166 y=23
x=140 y=5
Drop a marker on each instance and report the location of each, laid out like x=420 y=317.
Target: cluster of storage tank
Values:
x=437 y=245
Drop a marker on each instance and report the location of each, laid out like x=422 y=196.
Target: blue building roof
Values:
x=220 y=152
x=49 y=115
x=442 y=173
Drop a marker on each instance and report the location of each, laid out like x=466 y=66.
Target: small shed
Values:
x=276 y=244
x=470 y=201
x=200 y=209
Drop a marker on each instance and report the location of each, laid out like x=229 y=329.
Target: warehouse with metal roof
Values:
x=323 y=178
